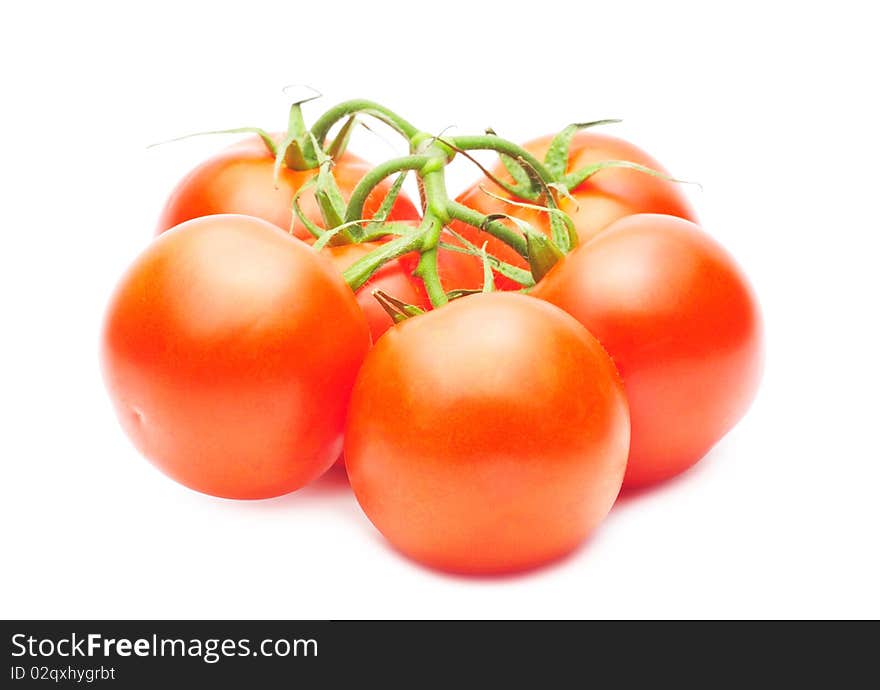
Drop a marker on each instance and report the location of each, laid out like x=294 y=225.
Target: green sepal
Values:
x=338 y=233
x=355 y=276
x=296 y=128
x=335 y=238
x=313 y=229
x=558 y=228
x=340 y=141
x=561 y=225
x=523 y=186
x=376 y=231
x=395 y=308
x=282 y=154
x=515 y=273
x=331 y=203
x=543 y=255
x=390 y=199
x=561 y=189
x=488 y=275
x=461 y=292
x=330 y=200
x=262 y=133
x=294 y=157
x=523 y=226
x=542 y=252
x=556 y=159
x=297 y=151
x=578 y=177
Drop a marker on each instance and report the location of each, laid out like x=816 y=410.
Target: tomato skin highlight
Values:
x=239 y=179
x=229 y=351
x=680 y=320
x=607 y=196
x=488 y=436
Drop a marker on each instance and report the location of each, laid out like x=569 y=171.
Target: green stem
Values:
x=427 y=268
x=361 y=270
x=433 y=177
x=433 y=154
x=323 y=124
x=437 y=198
x=490 y=142
x=373 y=178
x=495 y=228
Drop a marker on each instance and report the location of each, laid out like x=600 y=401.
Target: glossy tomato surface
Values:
x=607 y=196
x=229 y=351
x=239 y=179
x=683 y=326
x=487 y=436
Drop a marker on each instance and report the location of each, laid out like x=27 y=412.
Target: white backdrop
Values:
x=771 y=106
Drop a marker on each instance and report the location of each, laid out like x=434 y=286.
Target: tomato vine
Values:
x=537 y=184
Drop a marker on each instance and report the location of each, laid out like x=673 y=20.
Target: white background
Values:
x=771 y=106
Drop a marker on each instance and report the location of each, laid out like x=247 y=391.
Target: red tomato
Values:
x=683 y=326
x=608 y=195
x=487 y=436
x=229 y=351
x=240 y=180
x=457 y=271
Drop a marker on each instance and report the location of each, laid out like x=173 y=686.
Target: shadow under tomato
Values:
x=334 y=480
x=331 y=490
x=489 y=578
x=689 y=475
x=333 y=483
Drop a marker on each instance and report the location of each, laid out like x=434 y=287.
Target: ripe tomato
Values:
x=457 y=271
x=487 y=436
x=608 y=195
x=240 y=180
x=229 y=351
x=683 y=326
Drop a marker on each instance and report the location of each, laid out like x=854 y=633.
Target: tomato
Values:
x=396 y=279
x=457 y=271
x=487 y=436
x=229 y=351
x=240 y=180
x=683 y=326
x=608 y=195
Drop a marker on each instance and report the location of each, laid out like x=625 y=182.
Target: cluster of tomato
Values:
x=489 y=434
